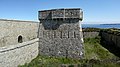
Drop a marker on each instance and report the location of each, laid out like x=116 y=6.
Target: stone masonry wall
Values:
x=111 y=39
x=10 y=30
x=19 y=54
x=90 y=34
x=58 y=38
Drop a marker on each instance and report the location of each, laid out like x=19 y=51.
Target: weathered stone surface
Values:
x=110 y=39
x=10 y=30
x=65 y=13
x=19 y=54
x=60 y=37
x=90 y=34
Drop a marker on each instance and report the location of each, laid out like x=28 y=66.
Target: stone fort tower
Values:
x=60 y=33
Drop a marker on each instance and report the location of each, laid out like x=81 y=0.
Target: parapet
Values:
x=53 y=14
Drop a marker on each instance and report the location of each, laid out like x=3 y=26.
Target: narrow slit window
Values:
x=68 y=35
x=74 y=35
x=61 y=34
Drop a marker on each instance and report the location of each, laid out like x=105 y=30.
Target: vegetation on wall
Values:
x=91 y=29
x=114 y=31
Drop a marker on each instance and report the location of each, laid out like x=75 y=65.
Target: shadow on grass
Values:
x=111 y=47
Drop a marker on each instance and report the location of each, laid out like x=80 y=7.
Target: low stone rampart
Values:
x=19 y=54
x=90 y=34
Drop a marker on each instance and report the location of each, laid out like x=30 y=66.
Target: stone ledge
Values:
x=18 y=20
x=20 y=45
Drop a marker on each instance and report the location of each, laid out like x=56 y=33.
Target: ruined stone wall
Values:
x=10 y=30
x=61 y=38
x=18 y=54
x=111 y=39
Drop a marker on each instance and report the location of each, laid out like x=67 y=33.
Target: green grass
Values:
x=45 y=61
x=93 y=50
x=94 y=54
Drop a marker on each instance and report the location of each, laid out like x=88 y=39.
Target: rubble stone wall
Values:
x=18 y=54
x=90 y=34
x=111 y=39
x=61 y=38
x=10 y=30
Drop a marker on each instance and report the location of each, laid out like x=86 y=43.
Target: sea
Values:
x=101 y=26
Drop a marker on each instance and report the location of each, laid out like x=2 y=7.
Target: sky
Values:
x=95 y=11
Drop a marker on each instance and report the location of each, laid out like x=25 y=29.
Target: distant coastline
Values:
x=111 y=24
x=101 y=25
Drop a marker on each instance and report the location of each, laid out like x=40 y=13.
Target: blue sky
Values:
x=95 y=11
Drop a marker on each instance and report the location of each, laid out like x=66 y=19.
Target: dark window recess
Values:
x=74 y=35
x=54 y=34
x=20 y=39
x=61 y=34
x=68 y=34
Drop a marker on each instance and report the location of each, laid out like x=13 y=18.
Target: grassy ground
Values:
x=95 y=56
x=93 y=50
